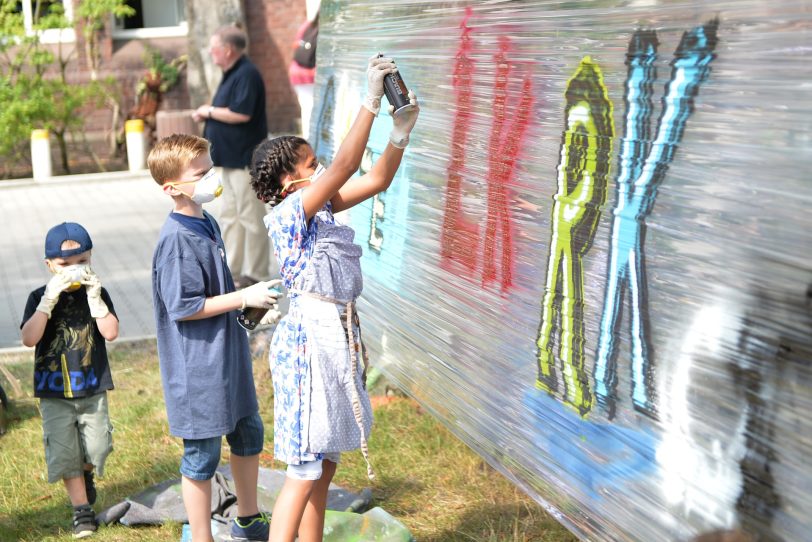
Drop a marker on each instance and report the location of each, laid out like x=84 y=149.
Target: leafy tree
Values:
x=22 y=64
x=92 y=16
x=34 y=86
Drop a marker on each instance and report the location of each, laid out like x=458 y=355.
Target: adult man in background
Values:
x=235 y=124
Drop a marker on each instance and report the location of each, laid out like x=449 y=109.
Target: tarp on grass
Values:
x=163 y=503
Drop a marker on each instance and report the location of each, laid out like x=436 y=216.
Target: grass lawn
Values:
x=428 y=479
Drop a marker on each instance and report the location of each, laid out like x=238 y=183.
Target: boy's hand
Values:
x=403 y=123
x=98 y=308
x=261 y=295
x=379 y=67
x=58 y=284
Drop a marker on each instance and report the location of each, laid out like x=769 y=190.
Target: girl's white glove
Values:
x=271 y=318
x=403 y=123
x=378 y=68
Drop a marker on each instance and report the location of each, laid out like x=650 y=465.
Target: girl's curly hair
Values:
x=271 y=160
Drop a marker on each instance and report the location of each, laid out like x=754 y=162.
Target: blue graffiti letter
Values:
x=643 y=166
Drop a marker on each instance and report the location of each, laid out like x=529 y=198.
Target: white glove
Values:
x=261 y=295
x=58 y=284
x=93 y=287
x=271 y=318
x=379 y=67
x=403 y=123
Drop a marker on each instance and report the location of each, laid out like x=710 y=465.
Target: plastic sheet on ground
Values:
x=375 y=525
x=163 y=502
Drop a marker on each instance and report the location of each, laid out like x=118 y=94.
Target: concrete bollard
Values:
x=136 y=144
x=40 y=155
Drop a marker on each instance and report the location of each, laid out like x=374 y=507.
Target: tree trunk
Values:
x=63 y=150
x=204 y=18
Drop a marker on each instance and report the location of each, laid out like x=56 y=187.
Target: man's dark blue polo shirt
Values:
x=242 y=91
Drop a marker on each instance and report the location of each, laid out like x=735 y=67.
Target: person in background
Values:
x=302 y=69
x=68 y=321
x=236 y=122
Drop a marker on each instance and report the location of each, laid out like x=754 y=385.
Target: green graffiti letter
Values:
x=583 y=169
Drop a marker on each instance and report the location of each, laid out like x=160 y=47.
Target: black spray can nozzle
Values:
x=396 y=91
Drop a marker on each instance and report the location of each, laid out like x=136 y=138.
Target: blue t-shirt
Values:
x=205 y=364
x=202 y=226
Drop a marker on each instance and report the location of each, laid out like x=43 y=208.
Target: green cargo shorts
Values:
x=75 y=432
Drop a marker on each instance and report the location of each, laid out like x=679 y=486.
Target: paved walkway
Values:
x=122 y=211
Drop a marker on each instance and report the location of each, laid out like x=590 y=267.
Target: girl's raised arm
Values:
x=348 y=158
x=383 y=171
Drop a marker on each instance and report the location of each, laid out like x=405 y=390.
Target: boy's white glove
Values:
x=58 y=284
x=93 y=287
x=260 y=295
x=379 y=67
x=403 y=123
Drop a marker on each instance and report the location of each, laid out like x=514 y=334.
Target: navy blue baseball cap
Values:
x=67 y=231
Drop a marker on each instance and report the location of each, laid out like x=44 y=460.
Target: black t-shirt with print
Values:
x=71 y=345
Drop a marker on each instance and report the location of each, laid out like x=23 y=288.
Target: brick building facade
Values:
x=271 y=27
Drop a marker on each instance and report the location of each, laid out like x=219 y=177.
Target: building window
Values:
x=33 y=12
x=152 y=19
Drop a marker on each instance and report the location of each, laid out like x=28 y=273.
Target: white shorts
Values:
x=312 y=469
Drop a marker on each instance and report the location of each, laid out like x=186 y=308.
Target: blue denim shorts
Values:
x=201 y=456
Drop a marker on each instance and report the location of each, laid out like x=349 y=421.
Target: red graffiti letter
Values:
x=460 y=237
x=504 y=148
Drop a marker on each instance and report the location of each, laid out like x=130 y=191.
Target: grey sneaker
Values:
x=84 y=522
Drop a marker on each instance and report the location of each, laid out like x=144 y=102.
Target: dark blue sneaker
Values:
x=256 y=528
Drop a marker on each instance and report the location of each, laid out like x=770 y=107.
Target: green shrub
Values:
x=34 y=87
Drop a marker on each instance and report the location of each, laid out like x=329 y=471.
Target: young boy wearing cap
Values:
x=68 y=320
x=205 y=361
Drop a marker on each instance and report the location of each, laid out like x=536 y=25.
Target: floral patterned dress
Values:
x=316 y=384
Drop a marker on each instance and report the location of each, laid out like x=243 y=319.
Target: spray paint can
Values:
x=396 y=92
x=249 y=317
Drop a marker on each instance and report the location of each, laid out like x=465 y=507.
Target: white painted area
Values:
x=700 y=469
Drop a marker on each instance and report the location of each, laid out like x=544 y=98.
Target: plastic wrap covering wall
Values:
x=595 y=263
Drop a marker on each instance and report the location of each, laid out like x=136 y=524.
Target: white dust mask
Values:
x=74 y=273
x=208 y=187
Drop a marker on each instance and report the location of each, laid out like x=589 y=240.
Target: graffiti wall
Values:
x=595 y=264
